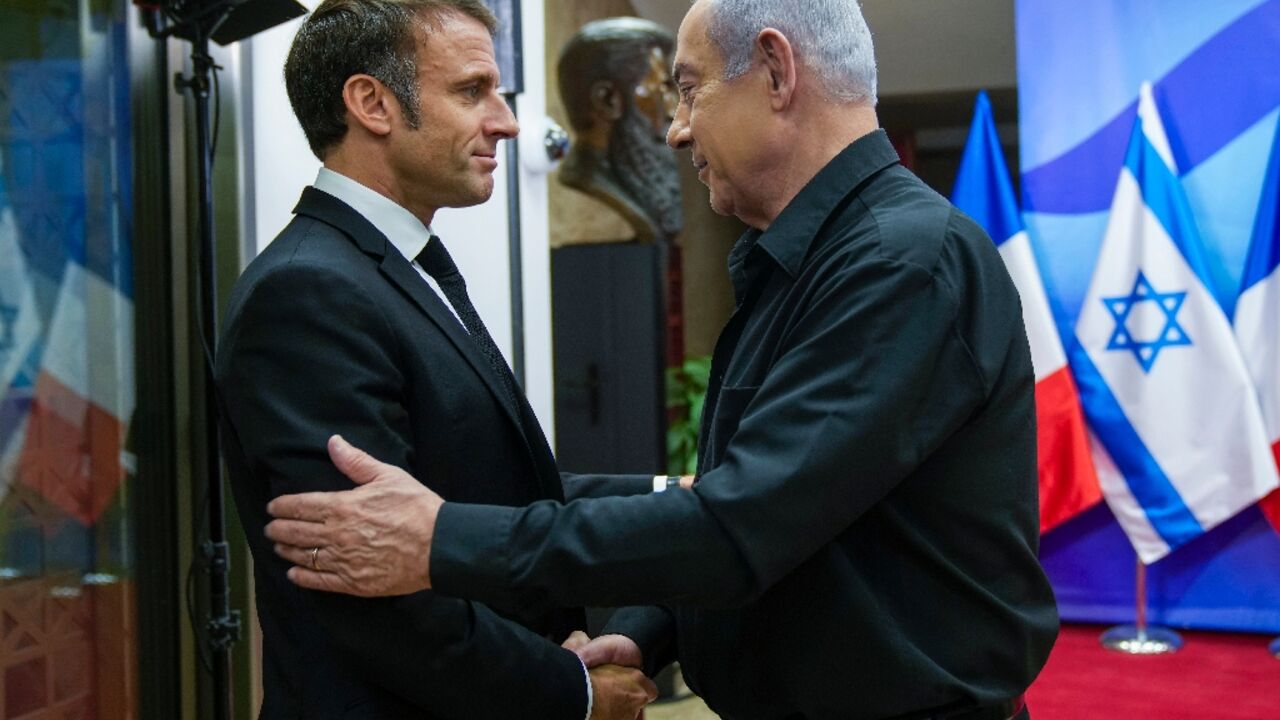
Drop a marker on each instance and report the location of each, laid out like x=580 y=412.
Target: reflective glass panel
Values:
x=67 y=640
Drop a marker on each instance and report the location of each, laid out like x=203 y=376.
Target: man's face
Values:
x=715 y=119
x=448 y=161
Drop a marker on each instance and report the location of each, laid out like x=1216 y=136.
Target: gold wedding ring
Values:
x=315 y=552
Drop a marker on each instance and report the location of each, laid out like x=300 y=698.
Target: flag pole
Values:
x=1275 y=648
x=1141 y=638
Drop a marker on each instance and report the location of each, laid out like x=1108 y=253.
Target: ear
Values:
x=606 y=101
x=370 y=104
x=780 y=66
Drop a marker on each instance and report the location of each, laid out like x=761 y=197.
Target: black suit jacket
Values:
x=331 y=330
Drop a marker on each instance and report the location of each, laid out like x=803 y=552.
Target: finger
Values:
x=312 y=506
x=615 y=650
x=576 y=641
x=353 y=462
x=592 y=655
x=300 y=533
x=596 y=653
x=300 y=556
x=650 y=689
x=323 y=581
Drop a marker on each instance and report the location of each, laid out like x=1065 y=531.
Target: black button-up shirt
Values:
x=862 y=539
x=872 y=397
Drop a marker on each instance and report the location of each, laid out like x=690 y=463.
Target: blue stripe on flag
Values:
x=1264 y=248
x=1082 y=179
x=1166 y=511
x=983 y=190
x=1163 y=194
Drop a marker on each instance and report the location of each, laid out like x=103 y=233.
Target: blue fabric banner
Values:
x=1080 y=66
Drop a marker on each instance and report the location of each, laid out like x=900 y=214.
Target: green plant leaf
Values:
x=686 y=390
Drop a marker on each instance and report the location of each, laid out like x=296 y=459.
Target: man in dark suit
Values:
x=861 y=540
x=355 y=318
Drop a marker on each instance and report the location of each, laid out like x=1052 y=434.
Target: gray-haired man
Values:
x=862 y=538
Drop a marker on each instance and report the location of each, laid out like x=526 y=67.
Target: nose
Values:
x=503 y=123
x=678 y=135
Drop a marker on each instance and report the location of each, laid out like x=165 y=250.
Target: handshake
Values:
x=619 y=688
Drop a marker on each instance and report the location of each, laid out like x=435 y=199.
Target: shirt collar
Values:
x=402 y=228
x=788 y=239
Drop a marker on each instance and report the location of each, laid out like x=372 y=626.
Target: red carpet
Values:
x=1216 y=676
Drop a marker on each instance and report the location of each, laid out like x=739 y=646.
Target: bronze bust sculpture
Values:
x=615 y=79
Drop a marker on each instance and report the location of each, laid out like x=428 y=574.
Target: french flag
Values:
x=984 y=191
x=83 y=399
x=1257 y=319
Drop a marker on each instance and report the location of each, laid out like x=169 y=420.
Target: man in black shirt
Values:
x=862 y=538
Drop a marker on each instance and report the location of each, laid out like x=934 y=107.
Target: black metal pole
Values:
x=223 y=628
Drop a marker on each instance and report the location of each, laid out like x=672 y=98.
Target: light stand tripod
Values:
x=224 y=21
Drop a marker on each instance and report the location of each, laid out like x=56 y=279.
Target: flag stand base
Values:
x=1141 y=638
x=1134 y=640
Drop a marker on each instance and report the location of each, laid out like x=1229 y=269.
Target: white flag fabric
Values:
x=1161 y=378
x=84 y=398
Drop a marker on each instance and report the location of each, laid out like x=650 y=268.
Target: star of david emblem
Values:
x=1146 y=322
x=8 y=314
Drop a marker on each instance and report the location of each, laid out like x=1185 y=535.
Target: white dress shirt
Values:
x=402 y=228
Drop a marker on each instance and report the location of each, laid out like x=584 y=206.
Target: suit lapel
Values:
x=543 y=459
x=401 y=274
x=328 y=209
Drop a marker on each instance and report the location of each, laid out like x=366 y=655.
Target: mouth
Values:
x=701 y=166
x=487 y=160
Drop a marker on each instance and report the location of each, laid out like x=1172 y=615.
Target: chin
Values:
x=720 y=206
x=479 y=193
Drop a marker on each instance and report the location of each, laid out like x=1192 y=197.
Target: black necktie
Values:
x=435 y=259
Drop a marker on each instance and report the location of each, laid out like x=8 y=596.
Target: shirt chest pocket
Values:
x=731 y=405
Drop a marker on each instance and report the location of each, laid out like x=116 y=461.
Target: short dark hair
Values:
x=613 y=49
x=342 y=38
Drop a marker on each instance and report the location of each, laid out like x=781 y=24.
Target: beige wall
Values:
x=576 y=218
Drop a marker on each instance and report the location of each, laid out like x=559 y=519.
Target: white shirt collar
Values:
x=402 y=228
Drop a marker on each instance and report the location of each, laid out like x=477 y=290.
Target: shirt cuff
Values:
x=659 y=483
x=591 y=694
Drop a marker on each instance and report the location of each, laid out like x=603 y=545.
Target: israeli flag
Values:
x=19 y=321
x=20 y=329
x=1162 y=380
